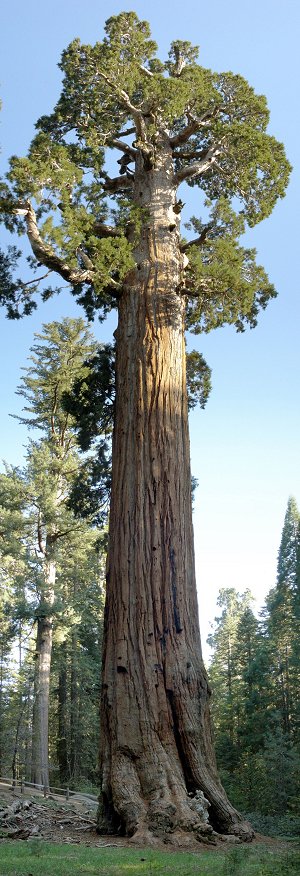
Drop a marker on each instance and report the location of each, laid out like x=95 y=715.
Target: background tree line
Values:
x=254 y=673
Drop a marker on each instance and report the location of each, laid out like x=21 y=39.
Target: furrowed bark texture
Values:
x=156 y=737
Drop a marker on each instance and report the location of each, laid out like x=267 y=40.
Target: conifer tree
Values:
x=283 y=622
x=115 y=240
x=35 y=514
x=77 y=659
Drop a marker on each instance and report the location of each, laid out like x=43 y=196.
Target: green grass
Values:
x=38 y=858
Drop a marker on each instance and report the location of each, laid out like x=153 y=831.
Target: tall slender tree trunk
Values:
x=156 y=734
x=1 y=709
x=74 y=718
x=62 y=739
x=40 y=757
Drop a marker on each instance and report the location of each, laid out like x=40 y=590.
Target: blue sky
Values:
x=245 y=445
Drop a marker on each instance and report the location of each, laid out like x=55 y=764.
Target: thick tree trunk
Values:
x=40 y=719
x=157 y=749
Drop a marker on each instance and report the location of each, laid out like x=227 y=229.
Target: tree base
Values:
x=180 y=827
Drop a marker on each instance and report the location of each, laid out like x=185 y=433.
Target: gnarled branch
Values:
x=197 y=241
x=117 y=183
x=187 y=132
x=199 y=167
x=194 y=125
x=135 y=112
x=124 y=147
x=44 y=253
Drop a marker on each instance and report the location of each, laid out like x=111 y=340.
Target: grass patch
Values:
x=38 y=858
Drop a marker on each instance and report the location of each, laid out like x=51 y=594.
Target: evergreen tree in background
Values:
x=283 y=622
x=115 y=240
x=37 y=523
x=255 y=671
x=77 y=643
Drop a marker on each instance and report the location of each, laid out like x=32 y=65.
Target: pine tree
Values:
x=232 y=646
x=15 y=615
x=77 y=660
x=171 y=122
x=35 y=514
x=282 y=621
x=244 y=714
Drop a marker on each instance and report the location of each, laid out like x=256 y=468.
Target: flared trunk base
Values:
x=168 y=813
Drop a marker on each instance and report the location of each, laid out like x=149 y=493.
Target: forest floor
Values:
x=31 y=816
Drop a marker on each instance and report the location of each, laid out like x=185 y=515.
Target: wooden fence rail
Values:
x=20 y=783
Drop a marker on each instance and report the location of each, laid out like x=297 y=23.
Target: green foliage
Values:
x=90 y=489
x=37 y=526
x=90 y=399
x=198 y=376
x=228 y=286
x=11 y=289
x=255 y=678
x=287 y=826
x=118 y=88
x=75 y=685
x=283 y=623
x=56 y=362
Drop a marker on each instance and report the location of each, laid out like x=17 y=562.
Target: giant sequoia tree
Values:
x=115 y=240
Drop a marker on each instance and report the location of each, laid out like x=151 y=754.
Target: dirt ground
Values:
x=32 y=817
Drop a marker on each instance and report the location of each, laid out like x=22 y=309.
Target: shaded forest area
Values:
x=254 y=674
x=52 y=570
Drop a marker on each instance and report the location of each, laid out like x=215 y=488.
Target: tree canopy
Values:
x=82 y=223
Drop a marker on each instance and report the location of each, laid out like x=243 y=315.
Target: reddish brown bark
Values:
x=156 y=735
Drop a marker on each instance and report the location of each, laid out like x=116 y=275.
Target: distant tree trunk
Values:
x=16 y=757
x=40 y=758
x=1 y=709
x=22 y=703
x=74 y=754
x=62 y=743
x=156 y=734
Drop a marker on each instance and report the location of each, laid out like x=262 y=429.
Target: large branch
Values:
x=103 y=230
x=194 y=125
x=199 y=167
x=187 y=132
x=125 y=133
x=117 y=183
x=135 y=112
x=193 y=153
x=44 y=253
x=197 y=241
x=124 y=147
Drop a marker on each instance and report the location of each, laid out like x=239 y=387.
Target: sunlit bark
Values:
x=156 y=737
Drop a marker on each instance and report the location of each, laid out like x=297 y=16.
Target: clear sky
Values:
x=245 y=445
